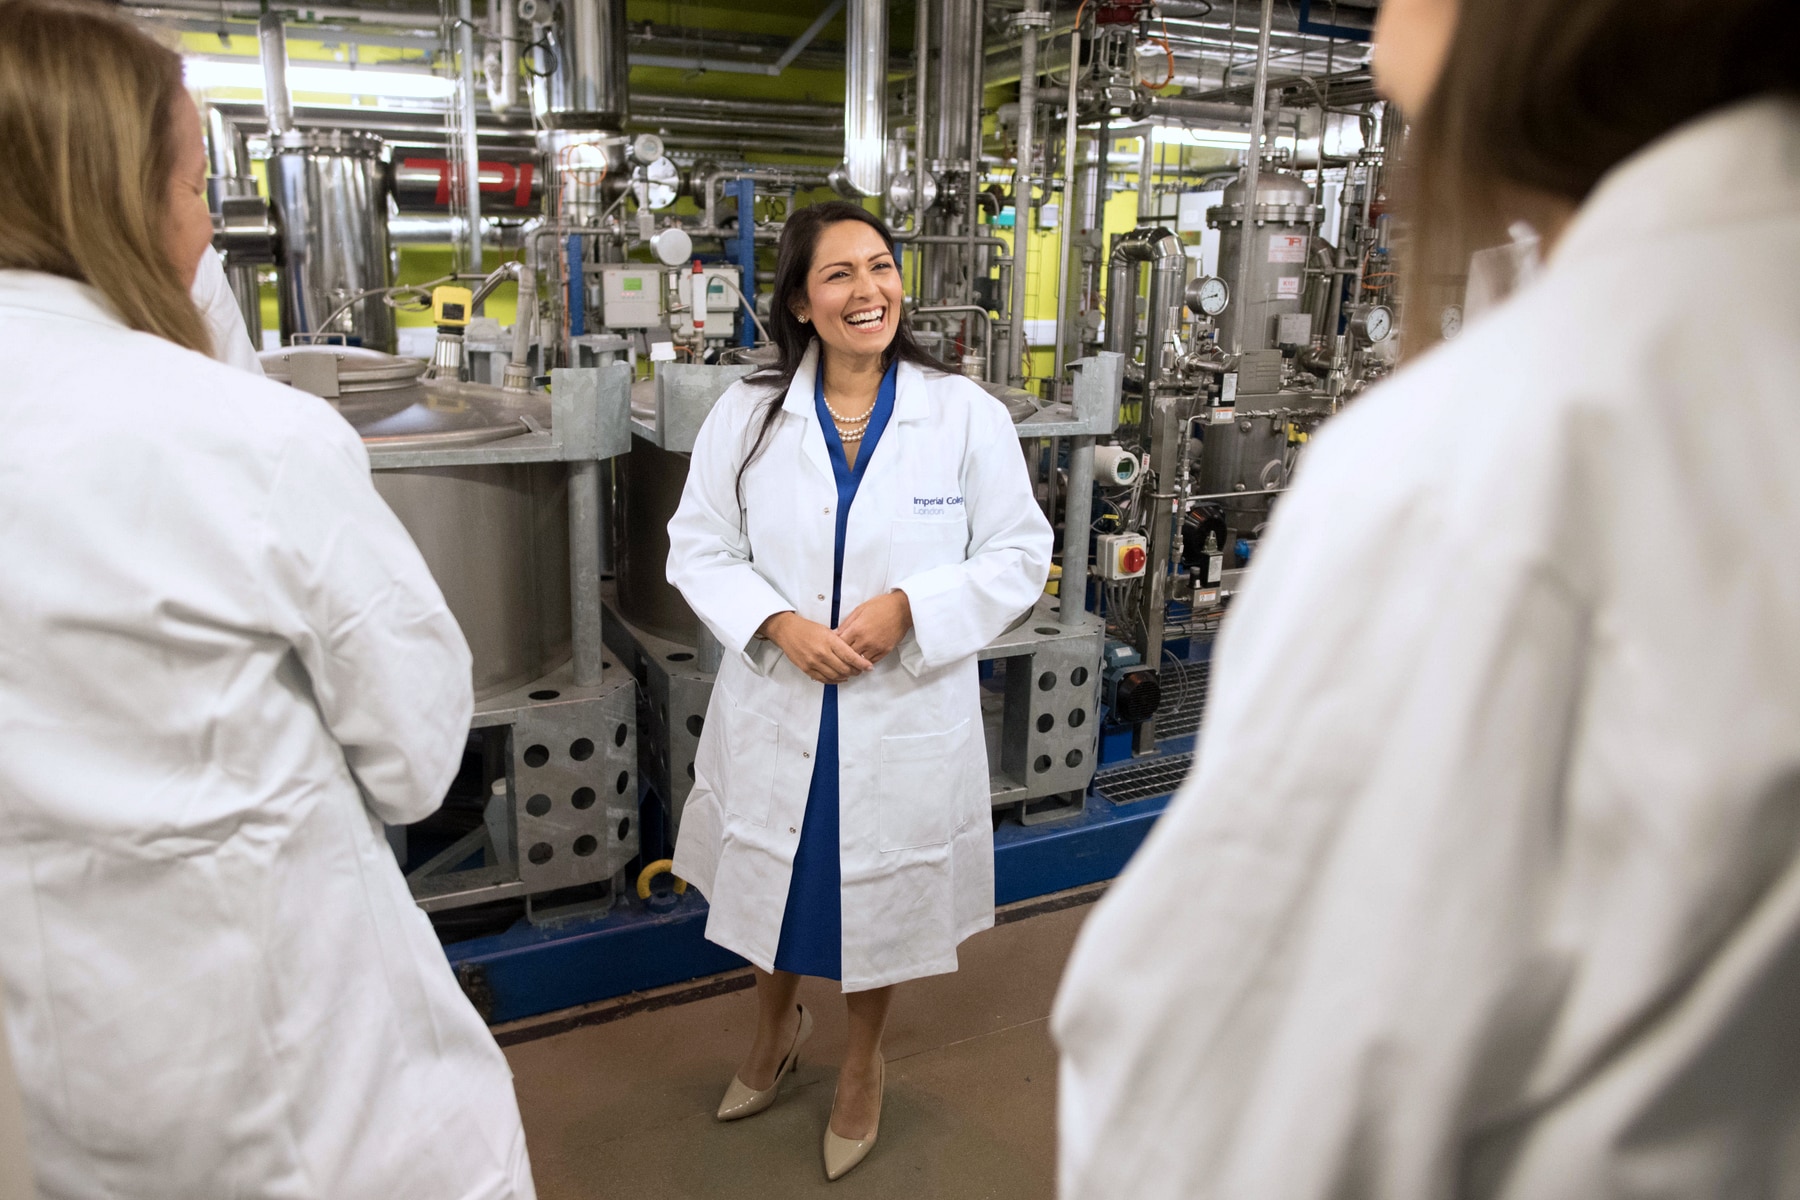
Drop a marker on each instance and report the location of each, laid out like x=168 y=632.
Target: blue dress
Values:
x=812 y=926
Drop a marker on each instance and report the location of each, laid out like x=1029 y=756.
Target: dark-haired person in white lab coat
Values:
x=1487 y=879
x=223 y=665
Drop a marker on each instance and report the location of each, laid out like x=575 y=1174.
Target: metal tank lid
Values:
x=386 y=401
x=1281 y=198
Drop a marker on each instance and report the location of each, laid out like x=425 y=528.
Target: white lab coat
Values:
x=218 y=305
x=945 y=513
x=224 y=664
x=1487 y=879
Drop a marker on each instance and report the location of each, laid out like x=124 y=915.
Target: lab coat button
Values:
x=821 y=595
x=791 y=829
x=806 y=754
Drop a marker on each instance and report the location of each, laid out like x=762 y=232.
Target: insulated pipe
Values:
x=595 y=62
x=922 y=61
x=863 y=172
x=503 y=93
x=1029 y=22
x=1253 y=171
x=1163 y=250
x=271 y=36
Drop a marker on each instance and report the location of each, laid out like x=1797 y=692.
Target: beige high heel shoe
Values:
x=842 y=1154
x=742 y=1101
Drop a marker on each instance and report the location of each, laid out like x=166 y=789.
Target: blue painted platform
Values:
x=528 y=971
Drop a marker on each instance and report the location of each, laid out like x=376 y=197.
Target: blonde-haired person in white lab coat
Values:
x=223 y=666
x=1487 y=879
x=857 y=524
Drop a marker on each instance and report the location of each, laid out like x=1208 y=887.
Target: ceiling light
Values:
x=204 y=73
x=1215 y=139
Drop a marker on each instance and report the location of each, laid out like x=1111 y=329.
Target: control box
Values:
x=722 y=308
x=1121 y=555
x=631 y=297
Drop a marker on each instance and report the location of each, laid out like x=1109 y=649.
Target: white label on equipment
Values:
x=1228 y=390
x=1288 y=289
x=1223 y=416
x=1287 y=247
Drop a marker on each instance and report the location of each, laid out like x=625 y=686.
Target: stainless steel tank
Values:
x=495 y=535
x=1278 y=244
x=329 y=192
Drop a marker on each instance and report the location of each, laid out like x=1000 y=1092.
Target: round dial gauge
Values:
x=1208 y=296
x=1452 y=321
x=1375 y=324
x=646 y=148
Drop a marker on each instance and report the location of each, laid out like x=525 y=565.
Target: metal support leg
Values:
x=584 y=570
x=1076 y=506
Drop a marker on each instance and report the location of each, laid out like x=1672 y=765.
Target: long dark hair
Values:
x=794 y=260
x=1543 y=98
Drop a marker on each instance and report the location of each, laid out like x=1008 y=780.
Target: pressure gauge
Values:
x=1374 y=324
x=1208 y=296
x=646 y=148
x=1451 y=321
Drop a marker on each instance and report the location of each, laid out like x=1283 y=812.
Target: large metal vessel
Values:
x=495 y=535
x=1279 y=241
x=329 y=191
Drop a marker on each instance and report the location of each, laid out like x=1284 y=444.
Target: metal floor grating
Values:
x=1141 y=781
x=1185 y=687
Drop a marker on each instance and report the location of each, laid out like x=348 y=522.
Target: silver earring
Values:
x=803 y=320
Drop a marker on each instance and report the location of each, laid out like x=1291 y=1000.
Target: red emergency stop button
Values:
x=1133 y=559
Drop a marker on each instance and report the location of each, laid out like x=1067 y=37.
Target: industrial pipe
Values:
x=271 y=38
x=503 y=92
x=471 y=148
x=1029 y=22
x=864 y=168
x=1253 y=168
x=1067 y=241
x=1163 y=250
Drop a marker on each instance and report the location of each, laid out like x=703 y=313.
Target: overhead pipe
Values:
x=271 y=36
x=1071 y=144
x=864 y=169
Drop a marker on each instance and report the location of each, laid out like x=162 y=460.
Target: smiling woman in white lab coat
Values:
x=222 y=665
x=1487 y=879
x=857 y=524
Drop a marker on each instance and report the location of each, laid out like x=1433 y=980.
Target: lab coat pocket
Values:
x=919 y=774
x=751 y=742
x=918 y=545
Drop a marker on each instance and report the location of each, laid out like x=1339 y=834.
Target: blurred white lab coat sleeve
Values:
x=709 y=549
x=958 y=608
x=388 y=665
x=218 y=306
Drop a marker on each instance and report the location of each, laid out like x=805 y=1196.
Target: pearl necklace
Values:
x=850 y=429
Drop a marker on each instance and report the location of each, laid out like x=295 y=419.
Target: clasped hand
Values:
x=862 y=639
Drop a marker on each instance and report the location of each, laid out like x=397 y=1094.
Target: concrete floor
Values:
x=622 y=1105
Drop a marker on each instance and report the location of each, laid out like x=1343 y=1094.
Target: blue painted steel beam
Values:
x=1348 y=33
x=741 y=250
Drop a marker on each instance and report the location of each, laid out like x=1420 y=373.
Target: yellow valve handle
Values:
x=659 y=867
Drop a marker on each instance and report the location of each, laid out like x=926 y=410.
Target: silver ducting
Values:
x=864 y=171
x=584 y=80
x=503 y=64
x=329 y=192
x=277 y=100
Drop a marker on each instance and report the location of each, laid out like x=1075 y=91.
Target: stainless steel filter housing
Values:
x=1278 y=244
x=329 y=192
x=495 y=535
